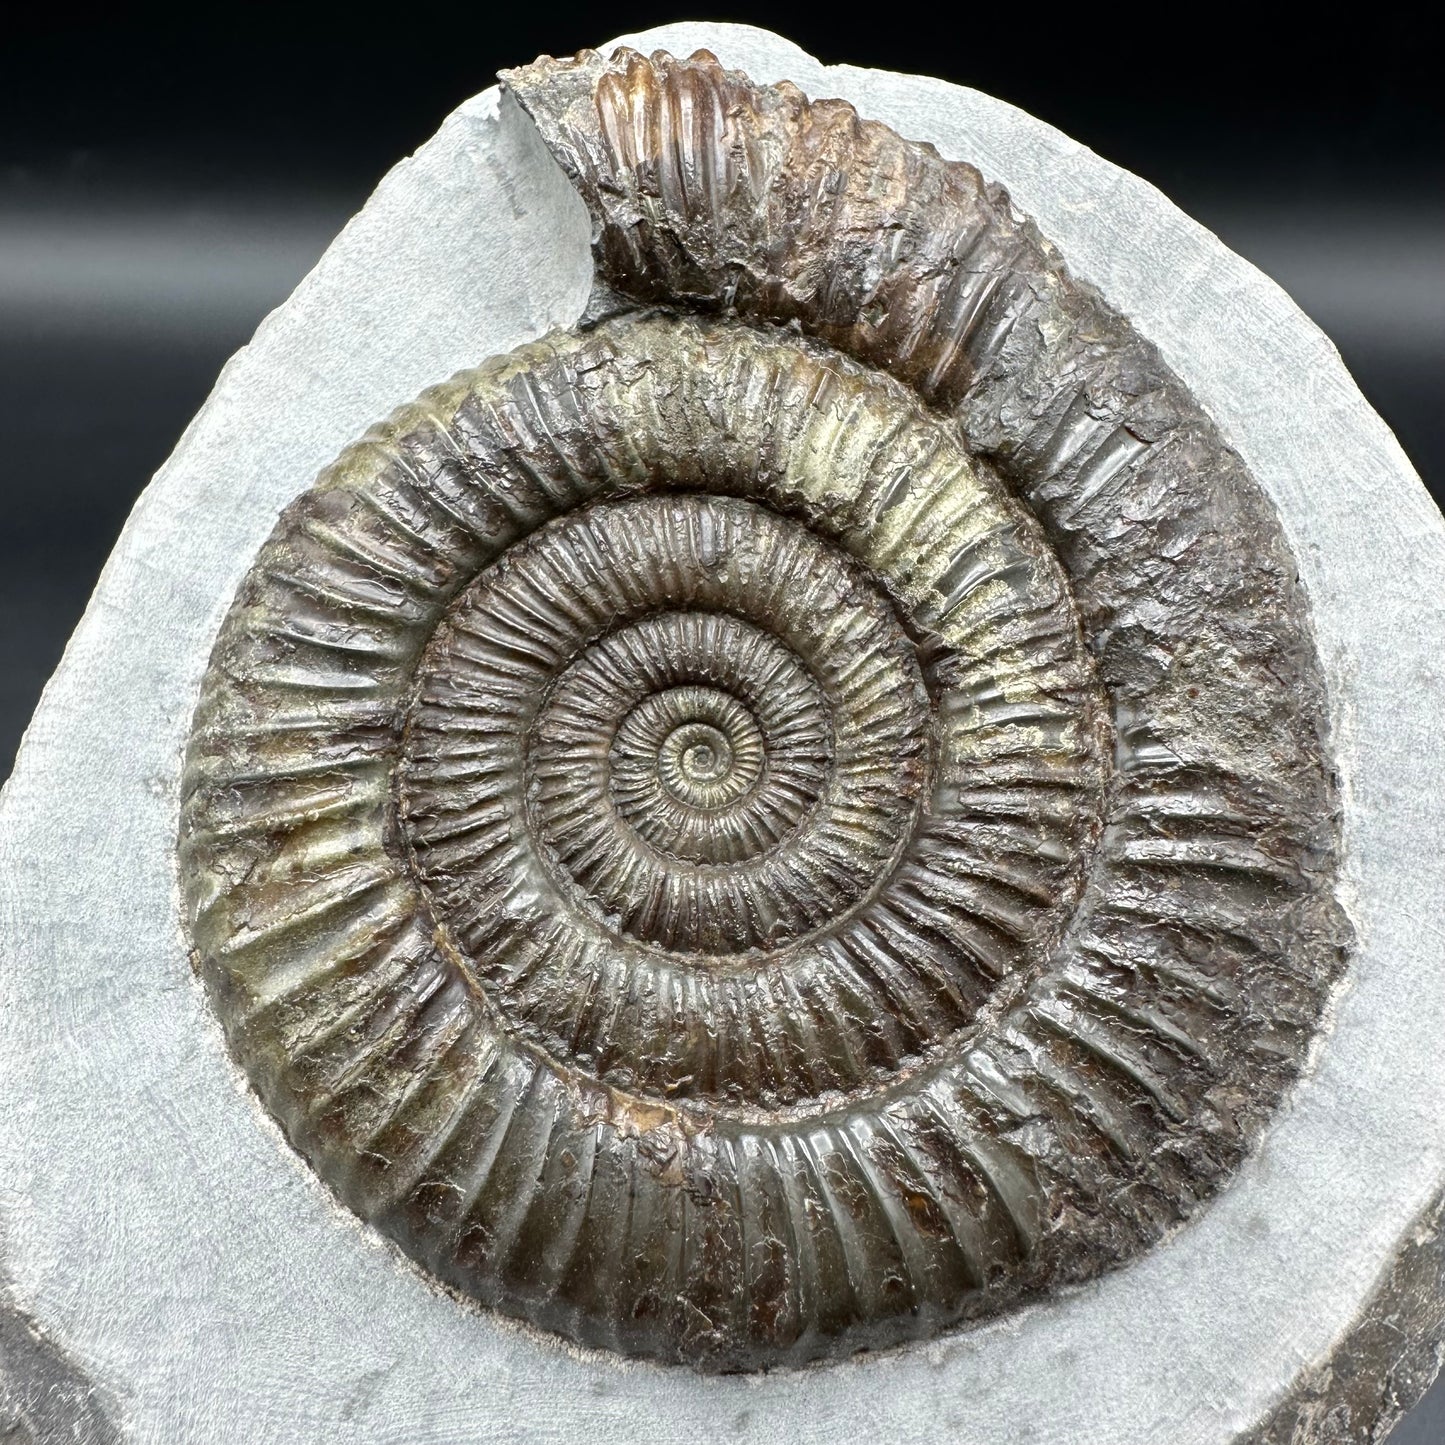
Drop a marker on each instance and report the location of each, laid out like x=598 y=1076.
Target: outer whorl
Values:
x=736 y=845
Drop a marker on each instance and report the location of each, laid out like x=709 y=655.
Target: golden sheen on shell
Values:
x=791 y=817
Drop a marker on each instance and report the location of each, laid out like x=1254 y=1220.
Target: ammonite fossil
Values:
x=795 y=814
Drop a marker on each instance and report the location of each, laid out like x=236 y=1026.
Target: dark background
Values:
x=165 y=182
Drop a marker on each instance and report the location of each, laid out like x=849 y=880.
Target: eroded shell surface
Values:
x=738 y=844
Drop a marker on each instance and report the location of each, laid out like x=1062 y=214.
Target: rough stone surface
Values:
x=1385 y=1363
x=148 y=1200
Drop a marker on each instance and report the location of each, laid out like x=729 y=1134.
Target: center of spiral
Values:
x=692 y=758
x=684 y=760
x=697 y=747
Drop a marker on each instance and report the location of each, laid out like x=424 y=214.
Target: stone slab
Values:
x=173 y=1272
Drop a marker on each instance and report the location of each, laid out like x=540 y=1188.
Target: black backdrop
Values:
x=165 y=181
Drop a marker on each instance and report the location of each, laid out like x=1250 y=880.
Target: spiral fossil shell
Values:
x=792 y=816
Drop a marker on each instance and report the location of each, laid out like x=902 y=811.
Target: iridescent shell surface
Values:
x=796 y=814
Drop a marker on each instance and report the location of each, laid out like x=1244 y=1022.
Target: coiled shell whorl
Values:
x=793 y=816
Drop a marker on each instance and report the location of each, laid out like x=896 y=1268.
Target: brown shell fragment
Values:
x=737 y=847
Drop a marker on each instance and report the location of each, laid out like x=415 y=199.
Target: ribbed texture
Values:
x=654 y=829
